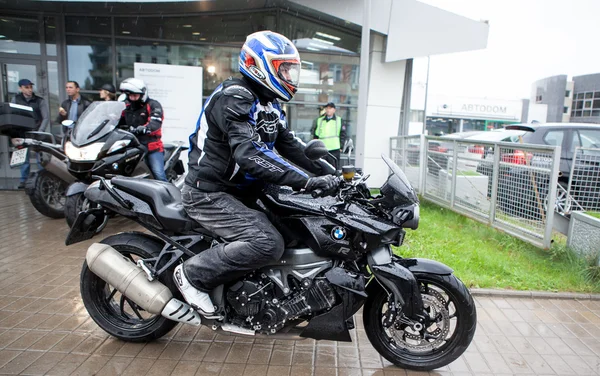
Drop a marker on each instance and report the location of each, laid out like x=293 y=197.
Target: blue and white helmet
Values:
x=271 y=60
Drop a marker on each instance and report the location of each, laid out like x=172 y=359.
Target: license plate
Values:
x=19 y=157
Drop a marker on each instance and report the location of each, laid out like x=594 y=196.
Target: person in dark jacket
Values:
x=231 y=157
x=144 y=116
x=108 y=92
x=27 y=97
x=72 y=108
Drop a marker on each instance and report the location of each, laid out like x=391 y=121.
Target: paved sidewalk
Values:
x=44 y=328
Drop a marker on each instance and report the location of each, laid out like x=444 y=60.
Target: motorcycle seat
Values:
x=164 y=199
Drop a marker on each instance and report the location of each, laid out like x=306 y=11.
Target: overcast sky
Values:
x=528 y=40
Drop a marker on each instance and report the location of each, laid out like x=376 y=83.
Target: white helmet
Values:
x=134 y=86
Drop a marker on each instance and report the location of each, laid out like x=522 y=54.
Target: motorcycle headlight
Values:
x=86 y=153
x=118 y=145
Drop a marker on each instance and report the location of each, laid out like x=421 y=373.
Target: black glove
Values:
x=323 y=185
x=140 y=129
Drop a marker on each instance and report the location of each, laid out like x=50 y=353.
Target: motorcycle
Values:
x=46 y=188
x=338 y=258
x=97 y=147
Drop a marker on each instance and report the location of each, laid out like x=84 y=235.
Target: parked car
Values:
x=517 y=185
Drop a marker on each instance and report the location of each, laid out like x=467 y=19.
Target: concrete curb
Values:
x=533 y=294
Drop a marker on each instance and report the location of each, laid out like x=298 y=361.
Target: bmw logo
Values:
x=338 y=233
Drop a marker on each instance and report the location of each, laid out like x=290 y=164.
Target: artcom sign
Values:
x=477 y=108
x=171 y=85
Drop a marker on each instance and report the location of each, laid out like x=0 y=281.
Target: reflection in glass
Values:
x=326 y=78
x=53 y=94
x=310 y=36
x=230 y=28
x=219 y=62
x=87 y=25
x=19 y=36
x=50 y=34
x=89 y=61
x=16 y=72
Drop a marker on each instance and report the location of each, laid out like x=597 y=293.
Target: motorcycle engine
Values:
x=258 y=307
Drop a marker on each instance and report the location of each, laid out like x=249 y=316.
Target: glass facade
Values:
x=586 y=104
x=20 y=35
x=330 y=59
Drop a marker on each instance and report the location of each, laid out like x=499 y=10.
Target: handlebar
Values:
x=316 y=193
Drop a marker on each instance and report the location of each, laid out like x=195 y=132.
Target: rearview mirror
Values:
x=315 y=149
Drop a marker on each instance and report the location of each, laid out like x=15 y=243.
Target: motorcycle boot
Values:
x=198 y=299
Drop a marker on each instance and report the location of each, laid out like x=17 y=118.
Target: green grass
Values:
x=487 y=258
x=593 y=214
x=466 y=173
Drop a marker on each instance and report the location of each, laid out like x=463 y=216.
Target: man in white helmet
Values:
x=144 y=117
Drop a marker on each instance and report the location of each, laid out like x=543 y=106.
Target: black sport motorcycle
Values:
x=338 y=258
x=46 y=188
x=97 y=147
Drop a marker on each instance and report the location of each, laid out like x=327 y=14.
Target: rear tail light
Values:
x=518 y=157
x=476 y=149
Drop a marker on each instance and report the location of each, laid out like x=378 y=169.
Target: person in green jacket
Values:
x=330 y=129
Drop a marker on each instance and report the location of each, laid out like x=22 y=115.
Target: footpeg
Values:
x=177 y=310
x=237 y=329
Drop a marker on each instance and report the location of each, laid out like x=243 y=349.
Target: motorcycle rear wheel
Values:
x=451 y=308
x=113 y=312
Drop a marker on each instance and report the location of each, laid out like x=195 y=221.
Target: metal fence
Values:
x=504 y=184
x=583 y=190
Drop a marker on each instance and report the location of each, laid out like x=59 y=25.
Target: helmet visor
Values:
x=288 y=71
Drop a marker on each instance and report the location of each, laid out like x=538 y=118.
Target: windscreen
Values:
x=96 y=121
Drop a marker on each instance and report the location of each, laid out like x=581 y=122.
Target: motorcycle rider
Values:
x=231 y=157
x=144 y=116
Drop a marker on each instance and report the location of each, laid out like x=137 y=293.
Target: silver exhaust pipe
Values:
x=131 y=281
x=57 y=167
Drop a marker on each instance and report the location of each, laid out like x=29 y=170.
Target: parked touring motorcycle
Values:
x=46 y=188
x=338 y=258
x=97 y=147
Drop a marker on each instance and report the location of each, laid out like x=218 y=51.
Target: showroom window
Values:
x=229 y=28
x=89 y=61
x=20 y=36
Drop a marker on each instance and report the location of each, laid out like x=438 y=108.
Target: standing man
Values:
x=72 y=108
x=27 y=97
x=330 y=129
x=144 y=117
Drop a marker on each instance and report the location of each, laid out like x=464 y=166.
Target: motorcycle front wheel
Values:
x=115 y=313
x=77 y=203
x=47 y=194
x=452 y=319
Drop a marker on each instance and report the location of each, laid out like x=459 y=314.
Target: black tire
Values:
x=460 y=323
x=76 y=203
x=102 y=306
x=48 y=194
x=73 y=206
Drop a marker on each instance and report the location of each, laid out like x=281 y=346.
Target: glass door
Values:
x=12 y=71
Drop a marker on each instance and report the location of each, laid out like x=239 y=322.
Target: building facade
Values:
x=93 y=43
x=586 y=99
x=556 y=93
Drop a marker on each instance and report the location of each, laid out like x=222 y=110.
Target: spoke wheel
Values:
x=118 y=315
x=47 y=194
x=446 y=333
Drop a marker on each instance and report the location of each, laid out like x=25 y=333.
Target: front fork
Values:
x=396 y=276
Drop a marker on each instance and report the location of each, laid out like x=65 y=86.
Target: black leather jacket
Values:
x=81 y=106
x=233 y=145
